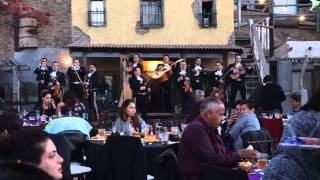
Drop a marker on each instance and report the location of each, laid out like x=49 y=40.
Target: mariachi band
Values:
x=176 y=82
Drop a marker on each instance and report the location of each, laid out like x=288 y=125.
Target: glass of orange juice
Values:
x=262 y=160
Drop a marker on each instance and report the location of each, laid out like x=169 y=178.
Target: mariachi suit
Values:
x=74 y=82
x=164 y=95
x=198 y=76
x=43 y=76
x=56 y=76
x=141 y=96
x=184 y=95
x=95 y=80
x=213 y=79
x=238 y=84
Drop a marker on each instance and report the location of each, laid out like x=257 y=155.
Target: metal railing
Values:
x=207 y=19
x=151 y=14
x=97 y=18
x=260 y=41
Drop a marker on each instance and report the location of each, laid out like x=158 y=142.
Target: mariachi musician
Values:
x=43 y=75
x=95 y=84
x=56 y=82
x=76 y=78
x=237 y=72
x=198 y=74
x=183 y=77
x=163 y=73
x=216 y=78
x=140 y=92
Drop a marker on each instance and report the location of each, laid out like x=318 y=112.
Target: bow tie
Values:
x=218 y=73
x=183 y=72
x=90 y=74
x=198 y=68
x=53 y=74
x=139 y=79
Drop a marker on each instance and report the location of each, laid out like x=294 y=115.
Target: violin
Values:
x=236 y=72
x=56 y=89
x=187 y=86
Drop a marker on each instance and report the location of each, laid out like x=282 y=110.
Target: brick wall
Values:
x=6 y=37
x=58 y=33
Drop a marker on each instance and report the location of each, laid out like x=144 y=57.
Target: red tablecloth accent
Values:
x=274 y=126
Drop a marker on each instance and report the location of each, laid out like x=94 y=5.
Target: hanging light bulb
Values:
x=262 y=1
x=285 y=9
x=302 y=17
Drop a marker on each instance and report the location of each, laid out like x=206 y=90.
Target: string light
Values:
x=262 y=1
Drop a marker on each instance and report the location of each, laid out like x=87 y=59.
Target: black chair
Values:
x=167 y=166
x=210 y=172
x=125 y=158
x=78 y=140
x=261 y=141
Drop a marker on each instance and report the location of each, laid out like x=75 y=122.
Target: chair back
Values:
x=274 y=126
x=209 y=172
x=168 y=167
x=126 y=158
x=78 y=139
x=261 y=141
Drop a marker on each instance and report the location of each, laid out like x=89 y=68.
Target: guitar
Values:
x=162 y=73
x=237 y=71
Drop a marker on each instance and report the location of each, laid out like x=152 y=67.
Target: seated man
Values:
x=247 y=121
x=201 y=143
x=295 y=103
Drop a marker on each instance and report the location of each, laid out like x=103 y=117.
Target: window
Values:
x=151 y=13
x=208 y=17
x=97 y=13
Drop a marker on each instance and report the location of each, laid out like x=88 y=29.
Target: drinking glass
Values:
x=102 y=132
x=262 y=160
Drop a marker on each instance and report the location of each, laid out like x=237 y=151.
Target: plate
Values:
x=300 y=146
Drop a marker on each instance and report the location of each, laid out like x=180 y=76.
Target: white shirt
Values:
x=90 y=74
x=238 y=65
x=166 y=65
x=198 y=69
x=135 y=65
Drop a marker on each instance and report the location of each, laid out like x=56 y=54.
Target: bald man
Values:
x=201 y=142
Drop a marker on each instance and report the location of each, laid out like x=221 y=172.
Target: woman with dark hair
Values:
x=47 y=106
x=9 y=125
x=34 y=145
x=71 y=101
x=128 y=120
x=294 y=163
